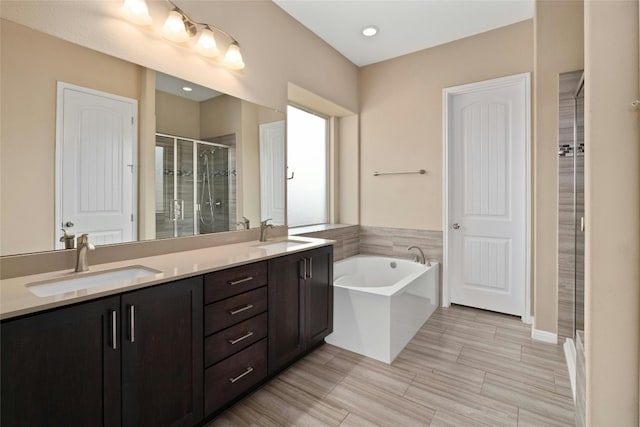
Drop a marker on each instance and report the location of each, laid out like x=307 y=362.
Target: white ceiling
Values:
x=174 y=85
x=404 y=26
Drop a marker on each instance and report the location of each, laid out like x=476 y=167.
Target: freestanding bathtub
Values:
x=380 y=303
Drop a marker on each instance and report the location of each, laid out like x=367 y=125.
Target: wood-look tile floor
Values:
x=465 y=367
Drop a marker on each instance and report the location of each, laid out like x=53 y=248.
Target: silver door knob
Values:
x=69 y=224
x=456 y=226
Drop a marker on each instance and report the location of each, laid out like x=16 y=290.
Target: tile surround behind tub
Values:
x=347 y=240
x=394 y=242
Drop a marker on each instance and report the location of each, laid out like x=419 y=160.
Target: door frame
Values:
x=61 y=86
x=447 y=95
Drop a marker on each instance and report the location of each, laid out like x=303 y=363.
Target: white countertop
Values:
x=16 y=299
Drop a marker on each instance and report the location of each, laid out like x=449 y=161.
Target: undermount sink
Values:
x=282 y=245
x=90 y=280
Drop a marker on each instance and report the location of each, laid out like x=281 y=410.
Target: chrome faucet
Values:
x=83 y=246
x=263 y=229
x=420 y=258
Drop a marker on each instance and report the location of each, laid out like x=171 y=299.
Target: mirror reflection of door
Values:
x=272 y=200
x=95 y=168
x=307 y=167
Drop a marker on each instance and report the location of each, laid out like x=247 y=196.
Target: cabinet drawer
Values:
x=233 y=310
x=234 y=339
x=235 y=375
x=226 y=283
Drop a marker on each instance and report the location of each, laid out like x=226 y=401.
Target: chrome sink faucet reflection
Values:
x=83 y=247
x=263 y=229
x=420 y=258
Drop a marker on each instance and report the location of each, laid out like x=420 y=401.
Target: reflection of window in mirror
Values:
x=307 y=167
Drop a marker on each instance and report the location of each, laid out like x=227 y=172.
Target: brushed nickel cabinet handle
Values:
x=237 y=282
x=456 y=226
x=310 y=273
x=132 y=322
x=247 y=372
x=114 y=330
x=240 y=310
x=303 y=268
x=242 y=338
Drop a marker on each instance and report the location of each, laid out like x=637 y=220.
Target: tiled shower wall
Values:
x=566 y=215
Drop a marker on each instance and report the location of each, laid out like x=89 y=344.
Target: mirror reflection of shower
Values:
x=195 y=185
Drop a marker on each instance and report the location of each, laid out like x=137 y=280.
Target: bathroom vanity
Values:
x=175 y=348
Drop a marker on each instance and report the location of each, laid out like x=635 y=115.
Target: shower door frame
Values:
x=196 y=207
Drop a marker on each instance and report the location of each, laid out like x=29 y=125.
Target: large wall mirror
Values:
x=98 y=145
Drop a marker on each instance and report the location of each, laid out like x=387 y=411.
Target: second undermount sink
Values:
x=76 y=282
x=282 y=245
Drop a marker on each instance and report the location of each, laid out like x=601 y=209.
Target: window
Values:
x=306 y=168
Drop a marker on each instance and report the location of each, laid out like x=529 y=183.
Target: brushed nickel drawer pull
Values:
x=237 y=282
x=242 y=338
x=132 y=324
x=247 y=372
x=240 y=310
x=114 y=330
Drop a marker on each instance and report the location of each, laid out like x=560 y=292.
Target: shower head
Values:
x=207 y=152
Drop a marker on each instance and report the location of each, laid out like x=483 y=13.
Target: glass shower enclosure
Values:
x=194 y=187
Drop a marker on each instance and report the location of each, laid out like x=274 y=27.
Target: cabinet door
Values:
x=286 y=300
x=162 y=367
x=60 y=368
x=319 y=295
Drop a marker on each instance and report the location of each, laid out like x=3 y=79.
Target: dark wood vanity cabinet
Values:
x=235 y=325
x=166 y=355
x=132 y=359
x=161 y=334
x=300 y=304
x=59 y=367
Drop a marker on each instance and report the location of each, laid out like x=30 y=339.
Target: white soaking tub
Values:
x=380 y=303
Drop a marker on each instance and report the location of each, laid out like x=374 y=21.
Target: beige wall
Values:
x=250 y=162
x=31 y=65
x=401 y=121
x=276 y=48
x=612 y=210
x=177 y=116
x=558 y=48
x=348 y=170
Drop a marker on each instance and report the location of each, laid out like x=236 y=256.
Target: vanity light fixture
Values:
x=180 y=28
x=369 y=31
x=136 y=11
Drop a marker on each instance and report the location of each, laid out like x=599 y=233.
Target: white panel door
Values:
x=487 y=193
x=95 y=170
x=272 y=161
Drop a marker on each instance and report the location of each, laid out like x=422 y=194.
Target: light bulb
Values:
x=174 y=29
x=206 y=45
x=136 y=11
x=233 y=57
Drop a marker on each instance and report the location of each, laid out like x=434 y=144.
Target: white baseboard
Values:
x=540 y=335
x=570 y=356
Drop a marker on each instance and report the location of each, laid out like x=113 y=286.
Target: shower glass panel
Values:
x=192 y=187
x=578 y=159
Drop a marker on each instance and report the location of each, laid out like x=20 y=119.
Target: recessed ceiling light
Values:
x=187 y=89
x=369 y=31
